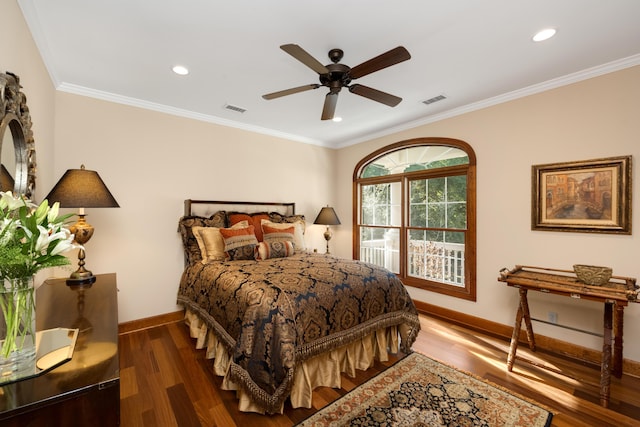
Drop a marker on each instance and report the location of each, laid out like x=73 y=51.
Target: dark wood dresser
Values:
x=86 y=390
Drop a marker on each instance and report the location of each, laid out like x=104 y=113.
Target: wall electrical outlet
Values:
x=552 y=316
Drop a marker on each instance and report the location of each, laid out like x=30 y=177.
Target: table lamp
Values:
x=327 y=216
x=81 y=188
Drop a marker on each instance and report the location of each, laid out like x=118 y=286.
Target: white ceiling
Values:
x=476 y=53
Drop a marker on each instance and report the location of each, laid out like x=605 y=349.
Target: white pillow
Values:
x=211 y=243
x=298 y=233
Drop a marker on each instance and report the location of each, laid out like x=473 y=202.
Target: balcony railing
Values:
x=441 y=262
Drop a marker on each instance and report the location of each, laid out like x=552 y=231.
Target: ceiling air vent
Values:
x=235 y=108
x=434 y=99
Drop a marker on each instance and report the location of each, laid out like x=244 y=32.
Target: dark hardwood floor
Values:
x=164 y=381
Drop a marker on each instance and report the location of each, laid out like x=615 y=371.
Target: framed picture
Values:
x=591 y=196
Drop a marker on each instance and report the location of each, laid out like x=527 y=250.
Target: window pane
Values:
x=436 y=256
x=435 y=190
x=445 y=200
x=418 y=203
x=436 y=215
x=457 y=215
x=381 y=204
x=415 y=158
x=418 y=191
x=381 y=215
x=381 y=246
x=367 y=215
x=374 y=170
x=457 y=188
x=418 y=216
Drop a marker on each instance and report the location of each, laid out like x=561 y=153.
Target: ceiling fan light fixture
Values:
x=337 y=119
x=543 y=35
x=180 y=70
x=336 y=76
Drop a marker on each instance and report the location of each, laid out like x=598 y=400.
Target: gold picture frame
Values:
x=590 y=196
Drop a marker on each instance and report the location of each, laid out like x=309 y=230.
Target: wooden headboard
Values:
x=207 y=207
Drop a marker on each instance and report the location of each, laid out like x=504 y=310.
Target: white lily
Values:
x=64 y=246
x=46 y=237
x=7 y=228
x=6 y=223
x=7 y=200
x=42 y=242
x=53 y=212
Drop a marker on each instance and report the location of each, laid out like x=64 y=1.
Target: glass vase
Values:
x=17 y=326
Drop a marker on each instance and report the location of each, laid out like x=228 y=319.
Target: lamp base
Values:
x=327 y=236
x=82 y=231
x=81 y=276
x=81 y=281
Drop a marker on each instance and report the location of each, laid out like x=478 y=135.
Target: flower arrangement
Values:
x=32 y=237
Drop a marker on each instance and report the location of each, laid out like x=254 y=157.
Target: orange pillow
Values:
x=253 y=219
x=239 y=243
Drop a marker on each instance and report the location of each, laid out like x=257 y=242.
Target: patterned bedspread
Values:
x=275 y=313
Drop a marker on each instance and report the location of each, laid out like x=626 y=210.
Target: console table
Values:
x=86 y=390
x=615 y=295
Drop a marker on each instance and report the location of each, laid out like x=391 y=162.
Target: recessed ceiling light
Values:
x=181 y=70
x=337 y=119
x=543 y=35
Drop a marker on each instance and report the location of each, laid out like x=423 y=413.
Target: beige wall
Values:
x=151 y=162
x=592 y=119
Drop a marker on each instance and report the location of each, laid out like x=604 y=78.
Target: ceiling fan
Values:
x=335 y=76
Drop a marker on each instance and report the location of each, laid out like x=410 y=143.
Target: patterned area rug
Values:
x=418 y=391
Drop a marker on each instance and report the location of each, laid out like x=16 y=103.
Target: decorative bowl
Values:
x=592 y=274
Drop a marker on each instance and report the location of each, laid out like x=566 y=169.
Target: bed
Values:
x=278 y=319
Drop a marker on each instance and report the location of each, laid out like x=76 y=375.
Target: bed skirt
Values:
x=321 y=370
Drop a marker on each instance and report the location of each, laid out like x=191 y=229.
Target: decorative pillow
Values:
x=276 y=249
x=276 y=234
x=239 y=243
x=185 y=228
x=278 y=217
x=253 y=219
x=211 y=243
x=298 y=232
x=292 y=219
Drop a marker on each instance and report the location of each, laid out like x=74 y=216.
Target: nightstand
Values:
x=86 y=390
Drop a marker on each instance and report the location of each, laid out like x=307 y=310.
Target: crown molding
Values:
x=576 y=77
x=139 y=103
x=489 y=102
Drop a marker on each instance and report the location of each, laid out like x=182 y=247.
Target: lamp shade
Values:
x=327 y=216
x=82 y=188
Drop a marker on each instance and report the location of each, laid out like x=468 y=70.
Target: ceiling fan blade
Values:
x=303 y=56
x=330 y=102
x=290 y=91
x=375 y=95
x=384 y=60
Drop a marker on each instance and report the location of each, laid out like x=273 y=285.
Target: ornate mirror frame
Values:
x=14 y=116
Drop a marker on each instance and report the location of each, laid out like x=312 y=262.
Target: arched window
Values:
x=415 y=213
